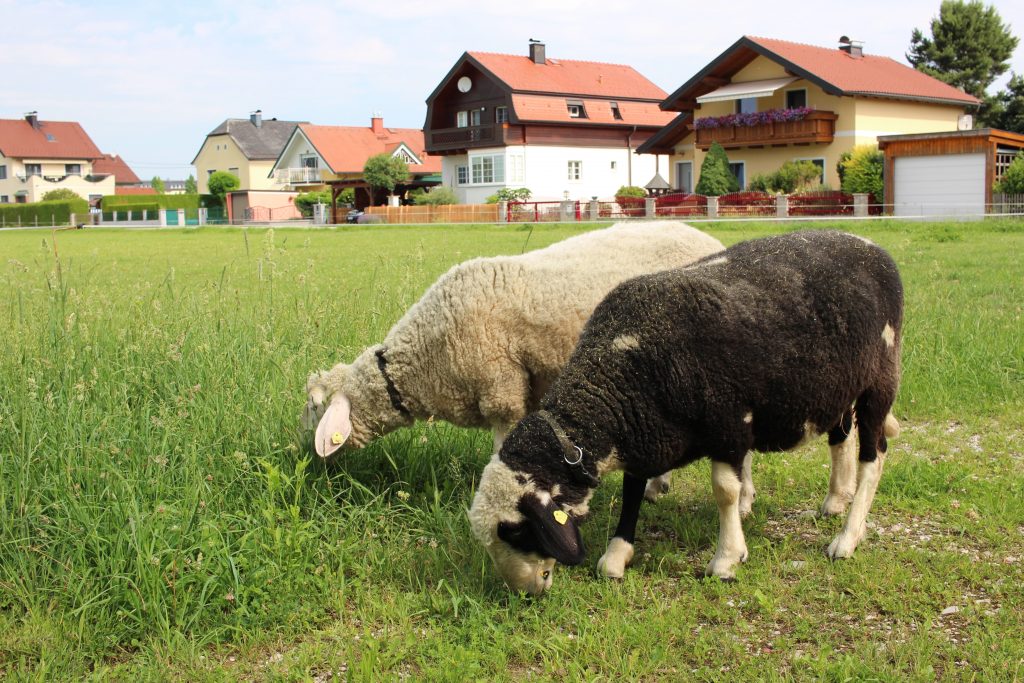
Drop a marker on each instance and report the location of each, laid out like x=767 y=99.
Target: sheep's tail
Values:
x=891 y=426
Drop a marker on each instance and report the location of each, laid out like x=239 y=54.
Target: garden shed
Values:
x=948 y=173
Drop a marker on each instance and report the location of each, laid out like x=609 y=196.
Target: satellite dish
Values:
x=464 y=84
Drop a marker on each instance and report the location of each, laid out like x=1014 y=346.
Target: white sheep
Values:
x=484 y=343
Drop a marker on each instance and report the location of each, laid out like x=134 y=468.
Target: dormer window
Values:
x=616 y=114
x=576 y=110
x=501 y=114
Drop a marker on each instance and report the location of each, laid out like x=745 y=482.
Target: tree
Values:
x=384 y=172
x=158 y=184
x=61 y=194
x=435 y=196
x=222 y=182
x=715 y=176
x=970 y=46
x=1007 y=107
x=190 y=185
x=862 y=171
x=1013 y=180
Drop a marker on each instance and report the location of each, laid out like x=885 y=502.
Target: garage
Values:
x=946 y=174
x=949 y=185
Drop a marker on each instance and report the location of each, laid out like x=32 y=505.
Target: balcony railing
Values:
x=447 y=139
x=291 y=176
x=817 y=126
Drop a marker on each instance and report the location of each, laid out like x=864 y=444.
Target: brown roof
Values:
x=345 y=149
x=834 y=70
x=550 y=108
x=51 y=140
x=569 y=77
x=112 y=164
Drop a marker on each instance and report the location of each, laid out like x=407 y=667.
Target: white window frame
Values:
x=515 y=168
x=462 y=175
x=4 y=199
x=476 y=117
x=3 y=171
x=462 y=119
x=821 y=178
x=68 y=171
x=501 y=114
x=29 y=172
x=487 y=169
x=574 y=170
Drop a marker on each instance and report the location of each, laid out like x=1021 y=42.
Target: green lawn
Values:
x=161 y=516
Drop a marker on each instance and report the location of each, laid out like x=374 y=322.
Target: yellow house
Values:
x=770 y=101
x=246 y=148
x=39 y=156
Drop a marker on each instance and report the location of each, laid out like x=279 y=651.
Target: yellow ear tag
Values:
x=561 y=517
x=337 y=438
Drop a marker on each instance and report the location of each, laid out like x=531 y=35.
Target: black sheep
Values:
x=760 y=347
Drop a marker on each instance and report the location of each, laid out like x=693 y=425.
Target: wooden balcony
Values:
x=443 y=140
x=818 y=126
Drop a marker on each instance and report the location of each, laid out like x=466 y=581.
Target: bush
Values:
x=304 y=202
x=44 y=213
x=715 y=177
x=862 y=171
x=61 y=194
x=222 y=182
x=630 y=191
x=435 y=196
x=508 y=194
x=1012 y=181
x=792 y=176
x=137 y=202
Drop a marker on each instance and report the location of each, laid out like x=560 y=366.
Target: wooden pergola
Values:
x=366 y=197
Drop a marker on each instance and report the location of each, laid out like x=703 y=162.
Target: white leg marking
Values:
x=842 y=484
x=888 y=335
x=499 y=437
x=732 y=547
x=868 y=474
x=615 y=560
x=657 y=486
x=747 y=492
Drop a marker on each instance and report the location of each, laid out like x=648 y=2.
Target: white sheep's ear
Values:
x=335 y=426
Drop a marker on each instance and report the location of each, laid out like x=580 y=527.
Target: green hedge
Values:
x=44 y=213
x=136 y=202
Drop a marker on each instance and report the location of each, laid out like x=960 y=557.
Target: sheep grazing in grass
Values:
x=486 y=340
x=760 y=347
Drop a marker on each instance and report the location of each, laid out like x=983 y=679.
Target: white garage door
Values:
x=953 y=184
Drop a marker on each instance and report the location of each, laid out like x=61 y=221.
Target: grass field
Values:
x=161 y=517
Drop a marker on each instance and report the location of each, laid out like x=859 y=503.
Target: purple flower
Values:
x=756 y=118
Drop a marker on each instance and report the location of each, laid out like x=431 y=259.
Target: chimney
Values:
x=854 y=48
x=377 y=124
x=256 y=118
x=537 y=52
x=33 y=119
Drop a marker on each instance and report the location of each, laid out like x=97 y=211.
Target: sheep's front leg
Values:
x=747 y=492
x=620 y=549
x=868 y=474
x=732 y=547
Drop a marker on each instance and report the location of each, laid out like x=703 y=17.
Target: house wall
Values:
x=32 y=188
x=546 y=172
x=860 y=121
x=220 y=153
x=291 y=158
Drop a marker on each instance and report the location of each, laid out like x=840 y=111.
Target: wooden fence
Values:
x=453 y=213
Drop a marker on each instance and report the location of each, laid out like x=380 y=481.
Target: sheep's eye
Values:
x=545 y=574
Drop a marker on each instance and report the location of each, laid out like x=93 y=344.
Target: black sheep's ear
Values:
x=554 y=529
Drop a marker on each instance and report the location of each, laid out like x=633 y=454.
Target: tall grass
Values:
x=159 y=505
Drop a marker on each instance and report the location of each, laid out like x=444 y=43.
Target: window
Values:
x=462 y=175
x=796 y=98
x=576 y=110
x=614 y=164
x=33 y=169
x=501 y=114
x=72 y=169
x=616 y=114
x=820 y=163
x=487 y=169
x=475 y=117
x=4 y=199
x=308 y=161
x=575 y=170
x=461 y=119
x=3 y=172
x=739 y=170
x=515 y=168
x=747 y=105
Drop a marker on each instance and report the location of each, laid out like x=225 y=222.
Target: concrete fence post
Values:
x=567 y=209
x=503 y=212
x=204 y=215
x=781 y=206
x=163 y=218
x=860 y=204
x=712 y=207
x=650 y=208
x=594 y=210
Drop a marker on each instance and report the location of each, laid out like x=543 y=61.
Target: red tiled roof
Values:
x=112 y=164
x=569 y=77
x=118 y=189
x=346 y=148
x=868 y=74
x=52 y=140
x=548 y=108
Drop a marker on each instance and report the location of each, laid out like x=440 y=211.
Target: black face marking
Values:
x=520 y=536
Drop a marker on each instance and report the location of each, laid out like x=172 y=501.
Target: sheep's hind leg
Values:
x=747 y=492
x=657 y=486
x=620 y=549
x=842 y=483
x=732 y=547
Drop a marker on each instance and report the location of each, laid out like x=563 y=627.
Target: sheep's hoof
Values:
x=835 y=504
x=746 y=506
x=843 y=545
x=613 y=563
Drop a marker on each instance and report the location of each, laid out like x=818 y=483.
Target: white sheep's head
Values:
x=524 y=531
x=330 y=413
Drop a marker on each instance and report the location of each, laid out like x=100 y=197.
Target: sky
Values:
x=149 y=80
